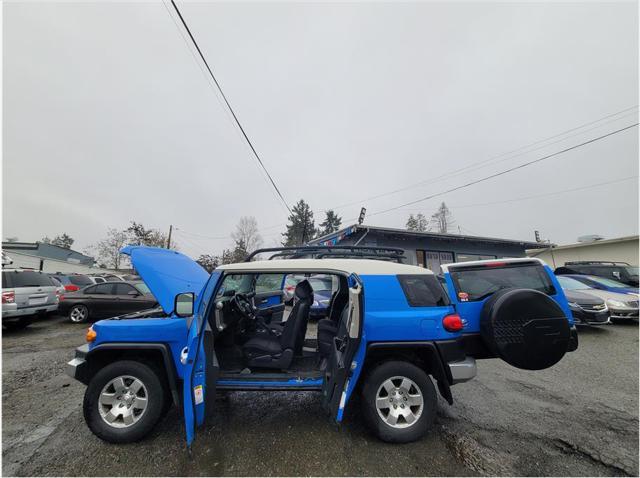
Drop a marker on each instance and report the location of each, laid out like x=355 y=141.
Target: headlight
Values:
x=573 y=304
x=324 y=302
x=615 y=303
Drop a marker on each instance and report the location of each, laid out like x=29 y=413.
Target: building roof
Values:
x=349 y=230
x=48 y=251
x=357 y=266
x=539 y=250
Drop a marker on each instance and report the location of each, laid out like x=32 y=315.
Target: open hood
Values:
x=167 y=273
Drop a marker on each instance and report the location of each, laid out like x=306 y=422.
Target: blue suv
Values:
x=391 y=333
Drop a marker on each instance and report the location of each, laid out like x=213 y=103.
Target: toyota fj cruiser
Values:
x=391 y=332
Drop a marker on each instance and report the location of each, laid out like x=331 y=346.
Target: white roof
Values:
x=445 y=267
x=357 y=266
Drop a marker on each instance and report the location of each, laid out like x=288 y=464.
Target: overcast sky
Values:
x=108 y=118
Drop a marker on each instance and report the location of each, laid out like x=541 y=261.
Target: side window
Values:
x=423 y=290
x=122 y=288
x=103 y=289
x=90 y=290
x=269 y=283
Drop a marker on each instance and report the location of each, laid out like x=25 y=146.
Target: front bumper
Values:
x=9 y=313
x=77 y=367
x=590 y=317
x=623 y=313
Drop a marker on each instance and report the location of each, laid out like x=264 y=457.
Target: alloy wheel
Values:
x=79 y=313
x=123 y=401
x=399 y=402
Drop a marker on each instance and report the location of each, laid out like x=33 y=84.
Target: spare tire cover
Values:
x=525 y=328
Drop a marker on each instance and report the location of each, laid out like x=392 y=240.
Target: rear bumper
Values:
x=11 y=313
x=77 y=367
x=463 y=370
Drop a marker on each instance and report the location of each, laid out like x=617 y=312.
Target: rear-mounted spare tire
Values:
x=525 y=328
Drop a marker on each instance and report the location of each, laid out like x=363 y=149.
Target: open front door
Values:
x=336 y=389
x=200 y=363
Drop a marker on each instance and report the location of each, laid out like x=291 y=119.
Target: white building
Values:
x=622 y=249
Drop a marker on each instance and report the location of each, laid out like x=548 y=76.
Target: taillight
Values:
x=452 y=323
x=71 y=288
x=8 y=297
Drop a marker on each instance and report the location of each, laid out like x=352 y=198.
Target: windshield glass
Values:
x=571 y=284
x=633 y=271
x=607 y=282
x=80 y=280
x=477 y=283
x=142 y=287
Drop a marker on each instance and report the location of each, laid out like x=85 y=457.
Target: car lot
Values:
x=577 y=418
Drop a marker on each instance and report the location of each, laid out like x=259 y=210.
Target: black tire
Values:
x=373 y=383
x=78 y=309
x=155 y=395
x=17 y=325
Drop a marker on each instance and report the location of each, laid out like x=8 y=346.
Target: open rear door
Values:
x=346 y=343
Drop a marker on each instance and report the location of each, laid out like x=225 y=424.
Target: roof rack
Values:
x=601 y=263
x=323 y=252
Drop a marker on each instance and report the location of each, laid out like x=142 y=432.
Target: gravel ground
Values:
x=578 y=418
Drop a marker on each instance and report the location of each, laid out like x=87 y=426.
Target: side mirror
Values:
x=183 y=304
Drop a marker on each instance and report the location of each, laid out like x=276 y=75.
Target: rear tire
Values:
x=124 y=412
x=402 y=393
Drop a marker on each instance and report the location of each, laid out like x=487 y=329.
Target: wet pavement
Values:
x=578 y=418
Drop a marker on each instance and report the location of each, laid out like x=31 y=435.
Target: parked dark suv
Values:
x=620 y=271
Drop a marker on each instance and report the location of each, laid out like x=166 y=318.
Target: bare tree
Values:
x=108 y=249
x=246 y=235
x=442 y=219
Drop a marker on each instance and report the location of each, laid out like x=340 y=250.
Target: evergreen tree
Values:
x=301 y=227
x=331 y=223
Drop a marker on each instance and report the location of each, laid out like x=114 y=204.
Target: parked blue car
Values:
x=392 y=334
x=603 y=283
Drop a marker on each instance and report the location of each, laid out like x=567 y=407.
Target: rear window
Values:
x=478 y=283
x=80 y=280
x=423 y=290
x=26 y=279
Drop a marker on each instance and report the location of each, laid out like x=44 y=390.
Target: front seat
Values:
x=270 y=350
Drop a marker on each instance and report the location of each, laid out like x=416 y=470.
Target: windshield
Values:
x=142 y=287
x=572 y=284
x=80 y=280
x=632 y=271
x=477 y=283
x=607 y=282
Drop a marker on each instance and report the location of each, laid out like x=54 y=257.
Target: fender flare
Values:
x=440 y=373
x=164 y=350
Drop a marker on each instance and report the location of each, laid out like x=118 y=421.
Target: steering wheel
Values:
x=244 y=305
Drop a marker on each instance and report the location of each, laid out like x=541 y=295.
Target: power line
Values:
x=537 y=196
x=224 y=97
x=505 y=156
x=506 y=171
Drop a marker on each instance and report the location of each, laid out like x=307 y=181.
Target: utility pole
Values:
x=169 y=238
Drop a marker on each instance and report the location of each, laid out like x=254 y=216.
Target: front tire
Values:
x=124 y=401
x=399 y=402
